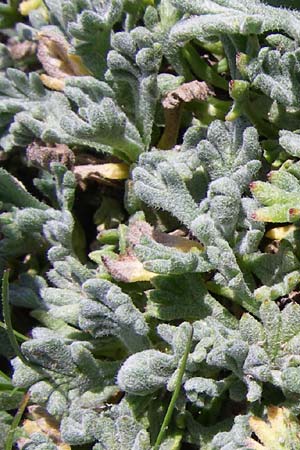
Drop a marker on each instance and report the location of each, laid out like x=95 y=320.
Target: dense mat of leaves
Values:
x=149 y=224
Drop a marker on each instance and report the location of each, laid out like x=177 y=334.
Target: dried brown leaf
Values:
x=19 y=50
x=280 y=431
x=173 y=103
x=27 y=6
x=111 y=171
x=55 y=84
x=137 y=230
x=42 y=156
x=127 y=268
x=54 y=53
x=187 y=92
x=140 y=228
x=279 y=233
x=42 y=422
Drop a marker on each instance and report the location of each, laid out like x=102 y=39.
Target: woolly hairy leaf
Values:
x=25 y=291
x=21 y=231
x=19 y=92
x=254 y=355
x=160 y=259
x=10 y=400
x=184 y=297
x=59 y=372
x=276 y=75
x=128 y=433
x=231 y=149
x=100 y=124
x=108 y=311
x=157 y=179
x=279 y=196
x=201 y=391
x=84 y=21
x=92 y=30
x=5 y=424
x=160 y=183
x=62 y=303
x=290 y=142
x=117 y=428
x=34 y=225
x=67 y=271
x=285 y=287
x=271 y=268
x=250 y=17
x=107 y=354
x=13 y=192
x=221 y=256
x=145 y=372
x=133 y=67
x=22 y=225
x=226 y=19
x=235 y=439
x=271 y=346
x=41 y=442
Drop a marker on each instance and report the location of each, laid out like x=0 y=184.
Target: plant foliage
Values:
x=149 y=220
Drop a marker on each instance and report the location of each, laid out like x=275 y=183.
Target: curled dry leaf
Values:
x=111 y=171
x=279 y=432
x=87 y=158
x=42 y=422
x=194 y=90
x=175 y=239
x=55 y=84
x=127 y=268
x=26 y=6
x=137 y=230
x=279 y=233
x=54 y=53
x=42 y=156
x=172 y=104
x=20 y=50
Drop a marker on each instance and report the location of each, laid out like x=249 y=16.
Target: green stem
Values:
x=210 y=110
x=14 y=4
x=222 y=66
x=216 y=48
x=11 y=434
x=201 y=69
x=175 y=395
x=7 y=318
x=5 y=9
x=245 y=107
x=10 y=14
x=18 y=335
x=6 y=377
x=246 y=302
x=263 y=126
x=220 y=290
x=110 y=237
x=9 y=328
